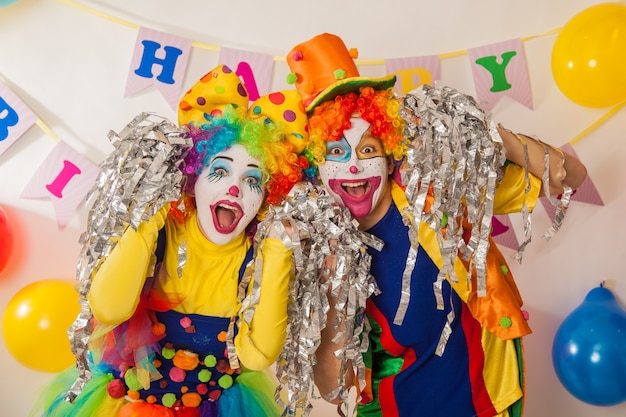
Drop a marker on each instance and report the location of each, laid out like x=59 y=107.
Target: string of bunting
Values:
x=52 y=179
x=210 y=47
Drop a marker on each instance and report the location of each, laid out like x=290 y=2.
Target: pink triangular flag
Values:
x=159 y=59
x=585 y=193
x=500 y=70
x=65 y=177
x=15 y=117
x=253 y=68
x=502 y=231
x=414 y=71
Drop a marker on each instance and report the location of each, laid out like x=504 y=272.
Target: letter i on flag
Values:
x=15 y=117
x=65 y=177
x=159 y=59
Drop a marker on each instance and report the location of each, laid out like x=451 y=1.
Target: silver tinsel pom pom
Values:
x=137 y=179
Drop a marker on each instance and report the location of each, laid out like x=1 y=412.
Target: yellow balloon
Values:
x=35 y=324
x=589 y=56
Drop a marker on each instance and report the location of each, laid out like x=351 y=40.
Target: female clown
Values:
x=192 y=335
x=436 y=345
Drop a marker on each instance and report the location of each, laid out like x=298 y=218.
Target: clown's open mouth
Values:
x=356 y=194
x=356 y=189
x=226 y=216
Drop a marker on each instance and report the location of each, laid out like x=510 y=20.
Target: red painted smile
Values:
x=357 y=194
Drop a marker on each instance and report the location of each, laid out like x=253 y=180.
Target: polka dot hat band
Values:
x=323 y=68
x=221 y=88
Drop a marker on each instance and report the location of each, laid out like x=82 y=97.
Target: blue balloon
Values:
x=589 y=350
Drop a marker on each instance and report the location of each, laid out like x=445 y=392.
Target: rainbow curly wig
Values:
x=378 y=107
x=264 y=141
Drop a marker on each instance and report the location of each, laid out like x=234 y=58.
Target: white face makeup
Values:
x=356 y=169
x=229 y=193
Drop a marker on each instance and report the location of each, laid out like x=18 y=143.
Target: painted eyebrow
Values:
x=222 y=157
x=228 y=158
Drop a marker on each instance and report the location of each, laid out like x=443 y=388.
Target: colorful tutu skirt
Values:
x=184 y=374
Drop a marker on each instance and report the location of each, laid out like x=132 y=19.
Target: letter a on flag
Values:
x=254 y=69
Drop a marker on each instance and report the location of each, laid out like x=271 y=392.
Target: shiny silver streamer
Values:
x=456 y=153
x=561 y=208
x=525 y=212
x=320 y=228
x=182 y=258
x=233 y=358
x=560 y=204
x=446 y=332
x=136 y=180
x=405 y=294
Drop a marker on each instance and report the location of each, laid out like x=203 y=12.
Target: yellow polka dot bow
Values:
x=221 y=88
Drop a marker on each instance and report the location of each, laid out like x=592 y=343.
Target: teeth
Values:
x=228 y=207
x=354 y=184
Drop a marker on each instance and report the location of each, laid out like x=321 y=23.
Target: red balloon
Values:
x=6 y=239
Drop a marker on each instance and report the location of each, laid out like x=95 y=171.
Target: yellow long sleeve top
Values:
x=208 y=284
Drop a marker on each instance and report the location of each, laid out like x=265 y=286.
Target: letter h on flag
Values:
x=159 y=59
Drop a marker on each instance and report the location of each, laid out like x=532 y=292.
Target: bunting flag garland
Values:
x=503 y=233
x=65 y=177
x=253 y=68
x=500 y=70
x=586 y=192
x=414 y=71
x=15 y=117
x=159 y=59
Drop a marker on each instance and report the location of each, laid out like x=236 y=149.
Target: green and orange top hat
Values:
x=323 y=68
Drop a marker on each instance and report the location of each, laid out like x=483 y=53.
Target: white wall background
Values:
x=70 y=67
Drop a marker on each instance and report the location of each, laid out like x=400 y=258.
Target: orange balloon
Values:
x=589 y=56
x=35 y=324
x=6 y=239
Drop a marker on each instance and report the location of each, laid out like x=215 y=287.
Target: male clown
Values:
x=435 y=347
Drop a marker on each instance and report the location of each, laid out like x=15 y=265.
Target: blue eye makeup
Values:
x=218 y=169
x=254 y=178
x=338 y=151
